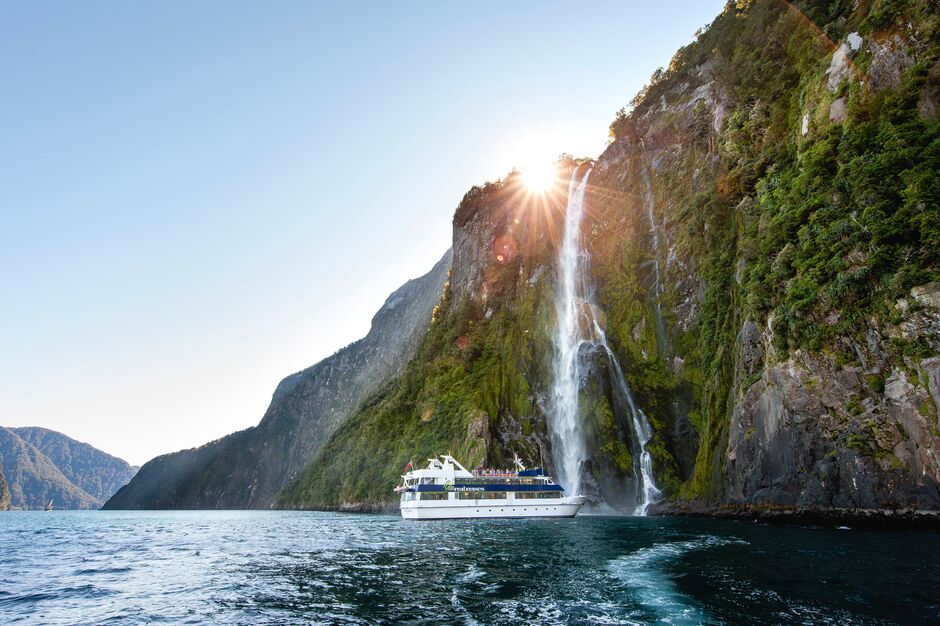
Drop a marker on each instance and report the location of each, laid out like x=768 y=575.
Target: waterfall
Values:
x=646 y=491
x=654 y=236
x=577 y=326
x=567 y=439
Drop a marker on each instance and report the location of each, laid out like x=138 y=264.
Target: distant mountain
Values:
x=42 y=465
x=248 y=468
x=34 y=480
x=97 y=473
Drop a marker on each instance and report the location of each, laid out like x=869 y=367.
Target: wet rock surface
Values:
x=813 y=433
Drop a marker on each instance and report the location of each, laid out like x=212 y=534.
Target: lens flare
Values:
x=538 y=175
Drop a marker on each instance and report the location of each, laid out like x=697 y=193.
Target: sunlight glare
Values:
x=538 y=174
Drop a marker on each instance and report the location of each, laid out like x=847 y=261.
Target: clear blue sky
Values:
x=199 y=198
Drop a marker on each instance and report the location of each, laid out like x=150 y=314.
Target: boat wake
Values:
x=645 y=576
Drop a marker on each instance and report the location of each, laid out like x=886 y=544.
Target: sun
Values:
x=538 y=174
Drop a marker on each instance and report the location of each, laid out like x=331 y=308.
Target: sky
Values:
x=198 y=199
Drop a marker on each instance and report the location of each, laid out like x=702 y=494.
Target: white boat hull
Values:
x=486 y=509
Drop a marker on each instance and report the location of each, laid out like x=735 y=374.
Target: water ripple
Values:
x=283 y=567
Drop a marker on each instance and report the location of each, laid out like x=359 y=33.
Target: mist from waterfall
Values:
x=577 y=330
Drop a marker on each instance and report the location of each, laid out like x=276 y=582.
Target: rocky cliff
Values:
x=764 y=239
x=791 y=209
x=246 y=469
x=473 y=386
x=34 y=479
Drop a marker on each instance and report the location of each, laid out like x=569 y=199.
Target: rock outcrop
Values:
x=248 y=468
x=815 y=432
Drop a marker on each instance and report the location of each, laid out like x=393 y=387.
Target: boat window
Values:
x=526 y=495
x=425 y=495
x=481 y=495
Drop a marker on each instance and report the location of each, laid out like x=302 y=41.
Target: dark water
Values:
x=288 y=567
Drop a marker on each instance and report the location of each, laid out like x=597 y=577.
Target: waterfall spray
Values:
x=577 y=326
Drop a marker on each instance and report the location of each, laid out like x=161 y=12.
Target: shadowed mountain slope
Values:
x=247 y=468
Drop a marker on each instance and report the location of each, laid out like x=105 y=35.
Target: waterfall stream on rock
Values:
x=654 y=240
x=577 y=330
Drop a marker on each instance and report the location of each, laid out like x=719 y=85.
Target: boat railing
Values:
x=494 y=473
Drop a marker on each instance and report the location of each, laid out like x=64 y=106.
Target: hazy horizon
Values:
x=202 y=199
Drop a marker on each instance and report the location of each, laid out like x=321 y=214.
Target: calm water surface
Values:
x=291 y=567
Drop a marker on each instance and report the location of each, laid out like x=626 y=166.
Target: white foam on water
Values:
x=455 y=602
x=644 y=575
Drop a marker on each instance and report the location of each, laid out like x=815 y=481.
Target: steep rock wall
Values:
x=796 y=248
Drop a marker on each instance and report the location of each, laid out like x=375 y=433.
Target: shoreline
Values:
x=829 y=517
x=814 y=517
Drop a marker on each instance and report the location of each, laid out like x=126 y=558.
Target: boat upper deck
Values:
x=446 y=474
x=505 y=473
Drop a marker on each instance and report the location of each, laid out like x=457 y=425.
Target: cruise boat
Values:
x=445 y=489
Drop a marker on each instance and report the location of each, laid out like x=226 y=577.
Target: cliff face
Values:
x=764 y=238
x=246 y=469
x=475 y=384
x=786 y=164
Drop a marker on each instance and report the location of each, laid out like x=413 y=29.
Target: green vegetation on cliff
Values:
x=788 y=159
x=811 y=202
